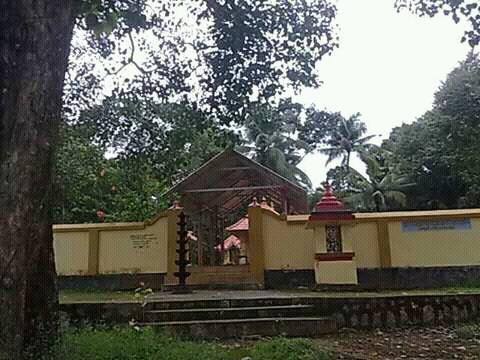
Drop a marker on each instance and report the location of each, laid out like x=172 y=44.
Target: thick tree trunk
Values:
x=35 y=39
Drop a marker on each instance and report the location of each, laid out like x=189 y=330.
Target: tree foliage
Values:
x=384 y=187
x=223 y=56
x=176 y=80
x=272 y=139
x=440 y=149
x=173 y=138
x=150 y=146
x=468 y=10
x=87 y=182
x=335 y=135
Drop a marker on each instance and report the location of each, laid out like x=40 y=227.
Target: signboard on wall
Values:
x=436 y=225
x=142 y=241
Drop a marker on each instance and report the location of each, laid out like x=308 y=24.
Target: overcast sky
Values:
x=387 y=67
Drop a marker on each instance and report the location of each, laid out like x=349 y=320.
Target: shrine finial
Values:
x=254 y=203
x=176 y=205
x=328 y=189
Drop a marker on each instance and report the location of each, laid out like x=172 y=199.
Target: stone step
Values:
x=157 y=304
x=246 y=284
x=238 y=328
x=227 y=313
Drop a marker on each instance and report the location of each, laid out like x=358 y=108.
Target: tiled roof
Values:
x=230 y=242
x=240 y=225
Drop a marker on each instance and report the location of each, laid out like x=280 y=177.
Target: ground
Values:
x=410 y=343
x=455 y=342
x=413 y=343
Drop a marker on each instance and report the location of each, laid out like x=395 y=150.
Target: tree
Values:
x=383 y=189
x=420 y=152
x=34 y=46
x=79 y=165
x=171 y=138
x=262 y=47
x=223 y=56
x=456 y=9
x=439 y=150
x=271 y=137
x=126 y=189
x=458 y=104
x=336 y=136
x=346 y=138
x=150 y=145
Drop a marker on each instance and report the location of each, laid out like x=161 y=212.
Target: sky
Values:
x=387 y=68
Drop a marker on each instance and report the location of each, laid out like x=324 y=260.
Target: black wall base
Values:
x=369 y=279
x=111 y=282
x=419 y=277
x=289 y=279
x=384 y=279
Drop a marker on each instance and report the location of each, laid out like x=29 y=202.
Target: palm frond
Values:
x=374 y=169
x=358 y=200
x=302 y=178
x=363 y=140
x=397 y=196
x=244 y=149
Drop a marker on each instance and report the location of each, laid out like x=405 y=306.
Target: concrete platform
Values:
x=238 y=328
x=251 y=312
x=223 y=316
x=197 y=295
x=349 y=309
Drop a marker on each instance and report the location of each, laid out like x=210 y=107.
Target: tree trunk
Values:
x=378 y=204
x=35 y=39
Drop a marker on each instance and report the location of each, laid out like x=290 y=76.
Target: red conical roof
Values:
x=330 y=208
x=329 y=201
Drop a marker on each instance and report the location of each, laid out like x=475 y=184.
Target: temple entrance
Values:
x=215 y=199
x=210 y=240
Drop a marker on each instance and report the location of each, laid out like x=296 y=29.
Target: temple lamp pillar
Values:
x=332 y=225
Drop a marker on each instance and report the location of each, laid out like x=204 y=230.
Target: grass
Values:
x=66 y=296
x=131 y=344
x=468 y=331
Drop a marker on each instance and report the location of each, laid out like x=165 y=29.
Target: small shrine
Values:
x=235 y=248
x=231 y=250
x=240 y=231
x=332 y=225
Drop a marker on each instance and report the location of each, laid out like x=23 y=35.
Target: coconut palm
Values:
x=382 y=187
x=270 y=139
x=346 y=138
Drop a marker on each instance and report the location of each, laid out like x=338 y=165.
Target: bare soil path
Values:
x=407 y=343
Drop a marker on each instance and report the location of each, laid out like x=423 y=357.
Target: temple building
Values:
x=216 y=196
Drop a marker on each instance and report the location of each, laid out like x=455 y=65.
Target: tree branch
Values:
x=130 y=60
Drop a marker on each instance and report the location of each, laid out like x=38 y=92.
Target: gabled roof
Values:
x=229 y=179
x=240 y=225
x=221 y=157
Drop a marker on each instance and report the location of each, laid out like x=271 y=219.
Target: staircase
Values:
x=236 y=318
